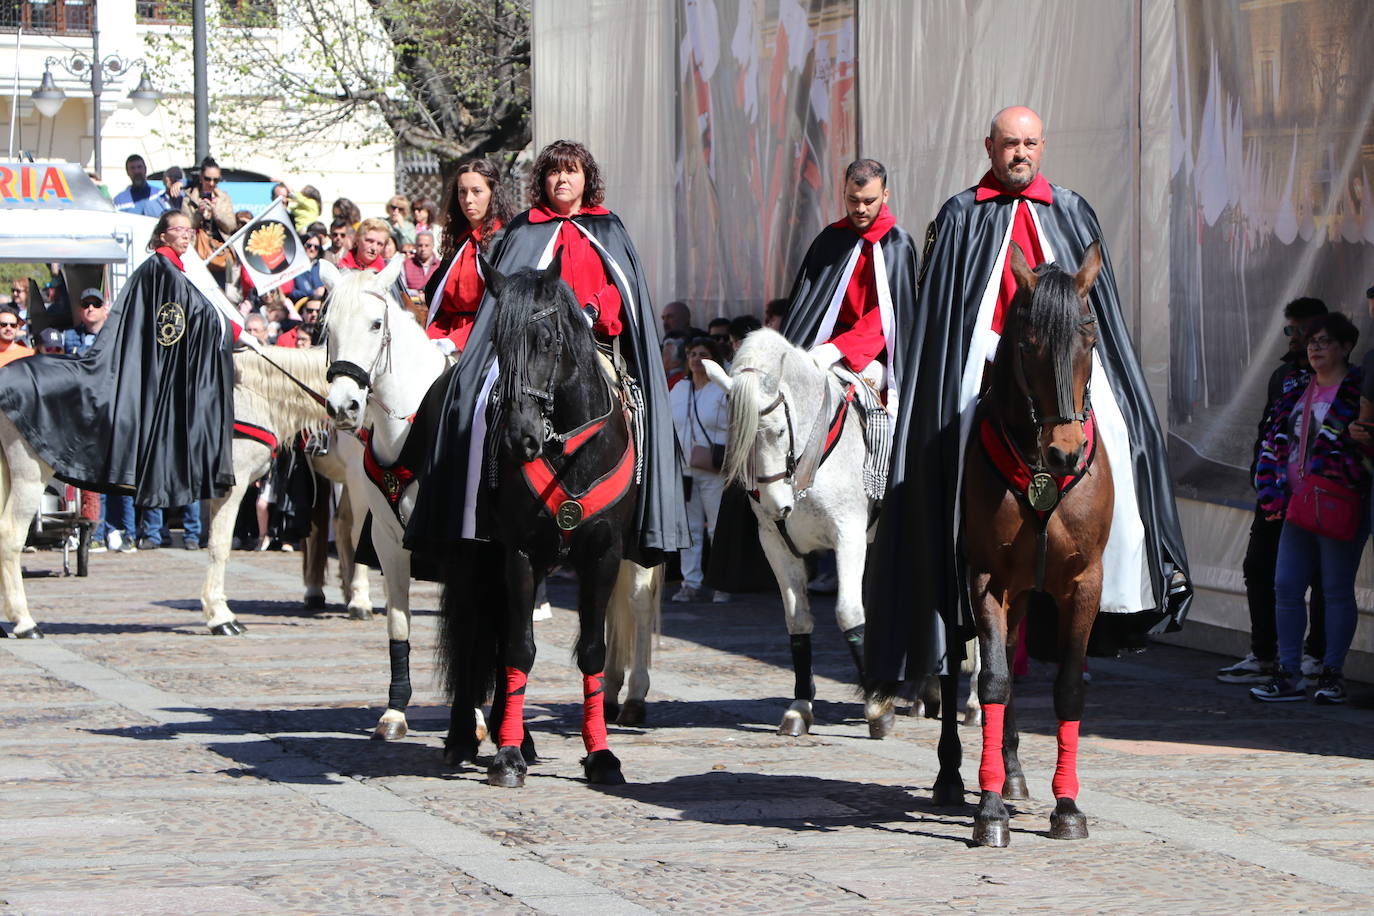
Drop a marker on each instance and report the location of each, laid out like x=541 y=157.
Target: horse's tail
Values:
x=744 y=428
x=471 y=609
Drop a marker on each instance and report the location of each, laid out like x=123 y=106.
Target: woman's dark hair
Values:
x=564 y=154
x=347 y=209
x=741 y=326
x=455 y=221
x=313 y=193
x=1338 y=327
x=163 y=222
x=423 y=203
x=710 y=343
x=317 y=228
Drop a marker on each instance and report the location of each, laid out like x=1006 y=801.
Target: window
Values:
x=48 y=17
x=169 y=12
x=249 y=14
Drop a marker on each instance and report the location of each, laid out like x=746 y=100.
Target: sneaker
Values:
x=1249 y=670
x=96 y=547
x=114 y=540
x=824 y=584
x=1281 y=688
x=191 y=545
x=73 y=542
x=147 y=544
x=687 y=594
x=1311 y=668
x=720 y=597
x=126 y=547
x=1330 y=687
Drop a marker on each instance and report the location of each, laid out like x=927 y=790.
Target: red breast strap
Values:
x=392 y=481
x=245 y=430
x=600 y=496
x=1013 y=468
x=832 y=437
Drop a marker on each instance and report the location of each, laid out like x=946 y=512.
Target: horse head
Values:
x=1049 y=341
x=539 y=336
x=359 y=321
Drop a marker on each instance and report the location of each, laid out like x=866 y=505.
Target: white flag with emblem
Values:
x=269 y=248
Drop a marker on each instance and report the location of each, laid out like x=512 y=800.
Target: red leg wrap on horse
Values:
x=513 y=722
x=992 y=771
x=1065 y=782
x=594 y=712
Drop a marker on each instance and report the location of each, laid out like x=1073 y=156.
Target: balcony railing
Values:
x=48 y=17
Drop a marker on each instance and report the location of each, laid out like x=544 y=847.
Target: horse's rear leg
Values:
x=991 y=821
x=1067 y=822
x=395 y=561
x=949 y=785
x=315 y=550
x=509 y=767
x=632 y=620
x=790 y=571
x=1014 y=786
x=21 y=491
x=598 y=566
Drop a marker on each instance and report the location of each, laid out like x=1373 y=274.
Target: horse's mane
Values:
x=1051 y=316
x=766 y=351
x=520 y=299
x=265 y=396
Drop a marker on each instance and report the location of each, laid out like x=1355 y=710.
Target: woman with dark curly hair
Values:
x=600 y=264
x=475 y=210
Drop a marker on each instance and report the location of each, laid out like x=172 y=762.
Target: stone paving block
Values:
x=150 y=901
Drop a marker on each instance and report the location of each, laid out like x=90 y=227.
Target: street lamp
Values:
x=48 y=97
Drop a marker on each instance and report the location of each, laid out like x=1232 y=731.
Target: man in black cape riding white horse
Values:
x=916 y=594
x=148 y=410
x=599 y=262
x=853 y=302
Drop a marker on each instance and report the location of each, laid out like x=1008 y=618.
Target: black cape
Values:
x=149 y=408
x=820 y=276
x=915 y=592
x=436 y=526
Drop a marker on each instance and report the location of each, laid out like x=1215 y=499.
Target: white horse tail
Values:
x=634 y=609
x=744 y=428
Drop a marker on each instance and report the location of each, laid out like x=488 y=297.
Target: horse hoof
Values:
x=314 y=602
x=932 y=710
x=508 y=769
x=1014 y=789
x=602 y=768
x=973 y=716
x=457 y=753
x=31 y=633
x=1067 y=822
x=632 y=713
x=610 y=709
x=881 y=726
x=948 y=794
x=360 y=613
x=794 y=724
x=389 y=731
x=991 y=832
x=228 y=628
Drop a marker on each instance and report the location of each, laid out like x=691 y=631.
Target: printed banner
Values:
x=1272 y=154
x=269 y=249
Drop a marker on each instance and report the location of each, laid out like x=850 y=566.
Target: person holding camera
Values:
x=212 y=217
x=700 y=417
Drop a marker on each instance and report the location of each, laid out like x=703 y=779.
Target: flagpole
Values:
x=233 y=238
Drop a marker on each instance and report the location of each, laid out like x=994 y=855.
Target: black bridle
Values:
x=381 y=362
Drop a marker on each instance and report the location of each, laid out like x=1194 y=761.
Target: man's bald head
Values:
x=1015 y=141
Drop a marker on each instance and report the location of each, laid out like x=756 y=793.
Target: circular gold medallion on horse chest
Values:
x=1042 y=492
x=569 y=515
x=170 y=323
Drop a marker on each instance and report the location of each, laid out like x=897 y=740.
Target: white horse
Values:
x=796 y=438
x=267 y=398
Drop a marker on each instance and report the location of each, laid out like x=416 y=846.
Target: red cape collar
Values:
x=881 y=225
x=545 y=215
x=990 y=188
x=172 y=256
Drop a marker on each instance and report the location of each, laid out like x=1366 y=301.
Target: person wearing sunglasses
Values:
x=91 y=313
x=210 y=209
x=10 y=347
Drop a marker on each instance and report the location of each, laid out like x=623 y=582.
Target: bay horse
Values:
x=1037 y=509
x=794 y=440
x=560 y=481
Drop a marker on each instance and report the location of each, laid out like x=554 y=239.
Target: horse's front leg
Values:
x=849 y=614
x=1067 y=822
x=597 y=559
x=790 y=571
x=315 y=549
x=509 y=766
x=251 y=460
x=990 y=822
x=395 y=562
x=348 y=527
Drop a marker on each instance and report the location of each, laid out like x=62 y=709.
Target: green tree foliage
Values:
x=448 y=77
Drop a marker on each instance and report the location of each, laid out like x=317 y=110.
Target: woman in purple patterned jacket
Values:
x=1309 y=435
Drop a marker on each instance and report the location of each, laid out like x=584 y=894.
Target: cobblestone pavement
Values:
x=148 y=768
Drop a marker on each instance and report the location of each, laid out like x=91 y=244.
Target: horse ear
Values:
x=329 y=274
x=1087 y=274
x=1020 y=268
x=391 y=271
x=717 y=374
x=548 y=280
x=494 y=279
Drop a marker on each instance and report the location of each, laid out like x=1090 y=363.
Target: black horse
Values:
x=559 y=486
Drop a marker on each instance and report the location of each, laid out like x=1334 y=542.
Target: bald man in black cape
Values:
x=915 y=590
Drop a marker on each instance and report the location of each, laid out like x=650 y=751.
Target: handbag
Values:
x=1319 y=505
x=709 y=457
x=205 y=244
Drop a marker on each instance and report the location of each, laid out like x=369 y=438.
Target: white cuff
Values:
x=826 y=355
